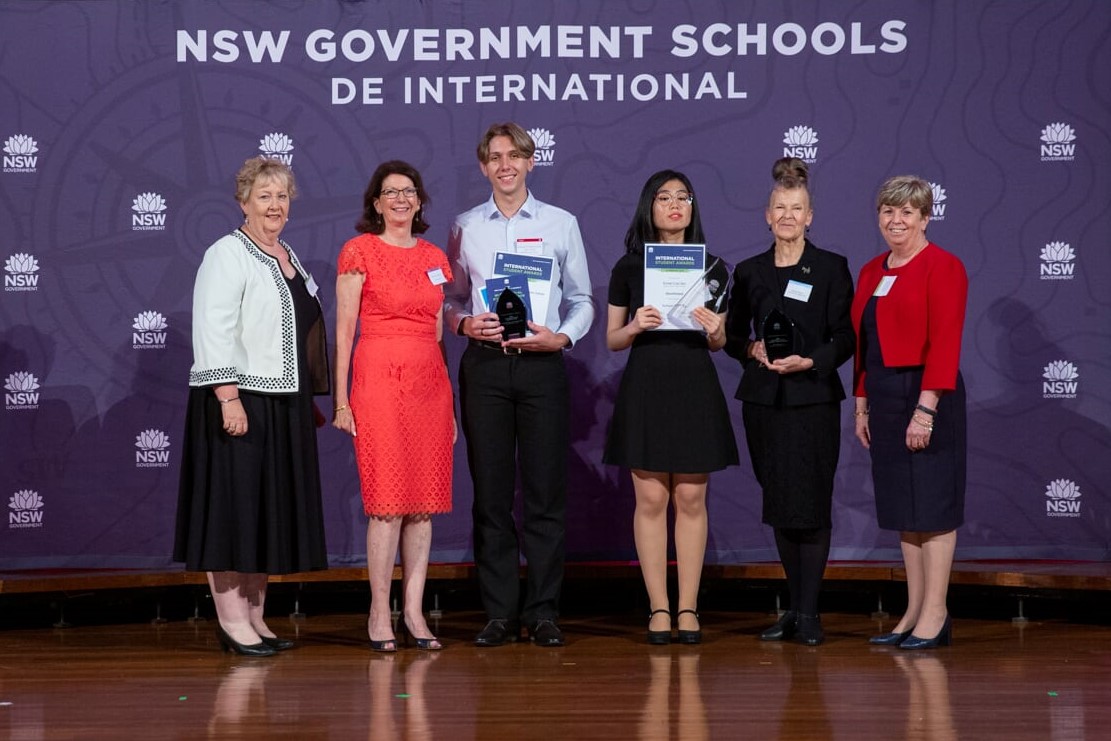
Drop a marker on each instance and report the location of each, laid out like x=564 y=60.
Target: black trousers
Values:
x=516 y=418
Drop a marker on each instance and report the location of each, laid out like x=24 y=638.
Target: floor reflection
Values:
x=673 y=705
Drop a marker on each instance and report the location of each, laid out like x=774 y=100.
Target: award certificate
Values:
x=675 y=282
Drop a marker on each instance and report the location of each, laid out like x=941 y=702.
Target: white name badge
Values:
x=798 y=291
x=885 y=284
x=310 y=286
x=436 y=275
x=530 y=246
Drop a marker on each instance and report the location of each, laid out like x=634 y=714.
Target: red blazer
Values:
x=920 y=320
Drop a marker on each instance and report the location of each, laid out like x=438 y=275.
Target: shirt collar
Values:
x=527 y=210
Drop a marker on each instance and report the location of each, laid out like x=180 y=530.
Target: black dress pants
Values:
x=516 y=417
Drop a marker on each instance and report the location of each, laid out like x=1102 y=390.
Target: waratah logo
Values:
x=21 y=391
x=1057 y=261
x=545 y=147
x=801 y=141
x=1060 y=380
x=1062 y=499
x=20 y=271
x=153 y=449
x=150 y=331
x=1057 y=143
x=938 y=213
x=150 y=213
x=26 y=509
x=277 y=146
x=19 y=154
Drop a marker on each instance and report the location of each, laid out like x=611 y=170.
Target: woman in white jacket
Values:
x=249 y=502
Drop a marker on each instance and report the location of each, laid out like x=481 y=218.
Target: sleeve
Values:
x=217 y=303
x=619 y=293
x=577 y=291
x=351 y=258
x=738 y=318
x=946 y=299
x=457 y=294
x=840 y=337
x=865 y=284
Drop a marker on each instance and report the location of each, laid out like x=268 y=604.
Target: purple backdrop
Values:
x=123 y=124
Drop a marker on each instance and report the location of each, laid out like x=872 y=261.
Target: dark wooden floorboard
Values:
x=1041 y=680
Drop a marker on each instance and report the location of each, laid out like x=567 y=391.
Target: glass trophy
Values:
x=512 y=314
x=779 y=335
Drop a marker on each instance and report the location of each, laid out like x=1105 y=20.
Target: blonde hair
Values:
x=262 y=168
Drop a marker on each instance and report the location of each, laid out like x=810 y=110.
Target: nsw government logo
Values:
x=1057 y=261
x=545 y=147
x=937 y=213
x=1062 y=499
x=1060 y=380
x=1057 y=143
x=150 y=331
x=26 y=509
x=801 y=142
x=21 y=273
x=149 y=213
x=21 y=391
x=277 y=147
x=20 y=154
x=153 y=449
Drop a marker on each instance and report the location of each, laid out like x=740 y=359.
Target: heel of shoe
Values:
x=689 y=637
x=658 y=637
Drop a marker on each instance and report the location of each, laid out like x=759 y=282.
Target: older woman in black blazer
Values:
x=791 y=401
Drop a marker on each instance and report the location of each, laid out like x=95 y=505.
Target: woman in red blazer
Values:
x=910 y=405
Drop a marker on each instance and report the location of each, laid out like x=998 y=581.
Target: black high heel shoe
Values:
x=278 y=644
x=424 y=644
x=689 y=637
x=784 y=628
x=944 y=637
x=890 y=639
x=658 y=637
x=230 y=644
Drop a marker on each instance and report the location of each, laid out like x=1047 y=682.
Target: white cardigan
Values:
x=244 y=329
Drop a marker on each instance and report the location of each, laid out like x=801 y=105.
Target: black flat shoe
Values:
x=689 y=637
x=545 y=632
x=944 y=637
x=889 y=639
x=278 y=644
x=497 y=632
x=658 y=637
x=784 y=628
x=808 y=630
x=230 y=644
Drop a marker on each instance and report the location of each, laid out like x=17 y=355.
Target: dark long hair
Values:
x=371 y=222
x=642 y=229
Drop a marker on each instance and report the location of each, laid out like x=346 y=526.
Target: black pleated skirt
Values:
x=253 y=503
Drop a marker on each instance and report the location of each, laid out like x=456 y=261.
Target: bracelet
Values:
x=227 y=401
x=927 y=410
x=925 y=425
x=339 y=409
x=861 y=414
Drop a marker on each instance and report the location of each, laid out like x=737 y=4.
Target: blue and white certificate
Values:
x=675 y=282
x=538 y=270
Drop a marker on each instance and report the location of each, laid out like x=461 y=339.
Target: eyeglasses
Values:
x=665 y=198
x=391 y=193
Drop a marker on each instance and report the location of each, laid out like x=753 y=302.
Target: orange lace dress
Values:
x=400 y=393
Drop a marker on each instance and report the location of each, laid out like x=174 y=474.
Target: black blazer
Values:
x=823 y=326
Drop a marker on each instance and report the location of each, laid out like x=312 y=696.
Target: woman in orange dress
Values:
x=400 y=410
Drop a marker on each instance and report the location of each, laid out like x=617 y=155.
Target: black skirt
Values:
x=794 y=454
x=670 y=414
x=921 y=491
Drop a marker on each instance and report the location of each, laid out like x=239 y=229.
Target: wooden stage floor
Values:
x=1038 y=680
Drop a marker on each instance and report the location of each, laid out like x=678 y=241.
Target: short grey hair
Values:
x=906 y=189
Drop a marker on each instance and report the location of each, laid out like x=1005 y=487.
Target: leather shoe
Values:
x=497 y=632
x=545 y=632
x=233 y=646
x=278 y=644
x=889 y=639
x=808 y=630
x=784 y=628
x=944 y=637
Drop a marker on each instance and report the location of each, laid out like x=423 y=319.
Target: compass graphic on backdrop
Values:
x=167 y=139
